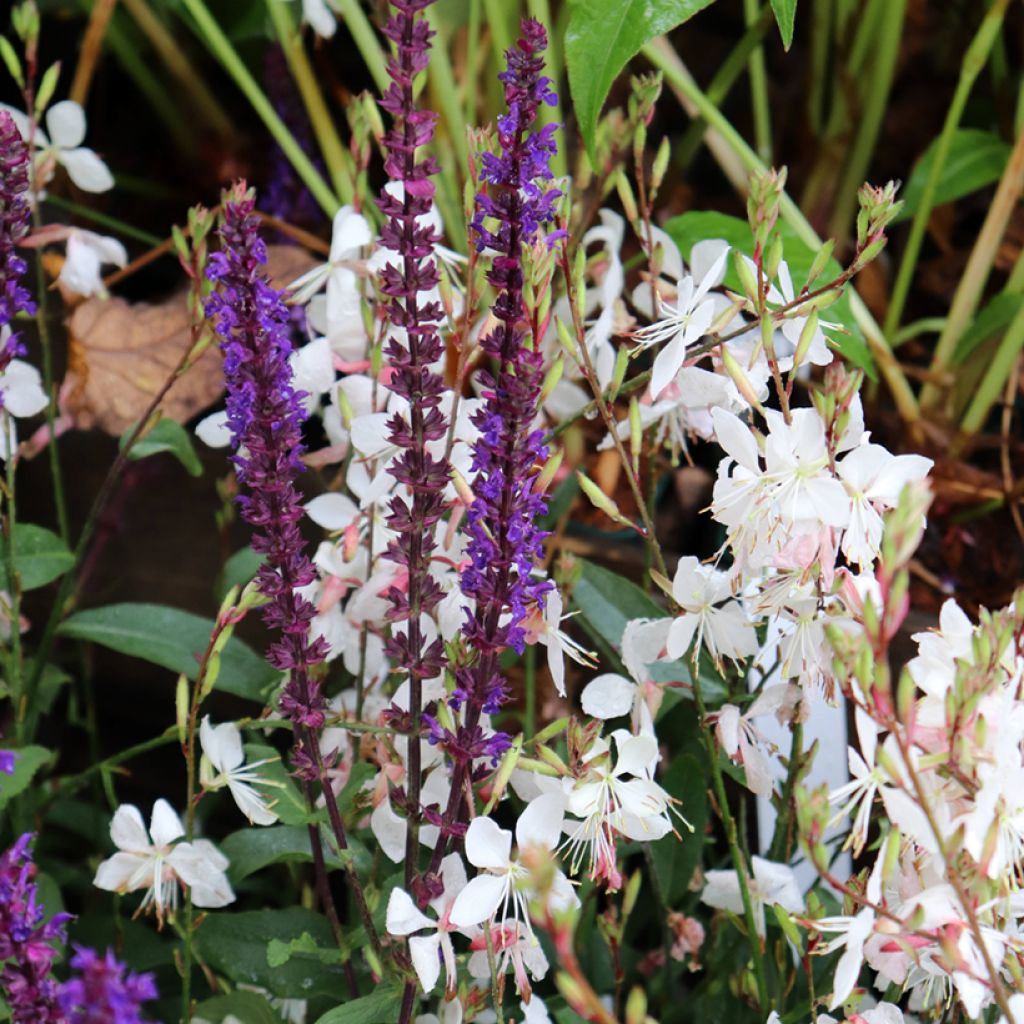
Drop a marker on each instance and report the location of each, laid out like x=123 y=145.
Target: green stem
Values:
x=993 y=381
x=541 y=11
x=661 y=55
x=927 y=325
x=974 y=60
x=68 y=784
x=366 y=41
x=472 y=96
x=735 y=854
x=821 y=22
x=497 y=22
x=446 y=92
x=758 y=89
x=883 y=67
x=130 y=56
x=220 y=46
x=50 y=387
x=530 y=691
x=972 y=282
x=336 y=156
x=181 y=69
x=725 y=78
x=18 y=697
x=103 y=220
x=777 y=851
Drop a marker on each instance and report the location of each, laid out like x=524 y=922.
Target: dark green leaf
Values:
x=40 y=556
x=602 y=37
x=975 y=159
x=27 y=761
x=166 y=436
x=250 y=1007
x=994 y=318
x=785 y=14
x=690 y=228
x=379 y=1008
x=173 y=639
x=252 y=849
x=283 y=796
x=236 y=945
x=675 y=859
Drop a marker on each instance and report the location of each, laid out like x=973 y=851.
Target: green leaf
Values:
x=166 y=436
x=608 y=602
x=602 y=37
x=40 y=556
x=976 y=158
x=785 y=13
x=279 y=953
x=239 y=569
x=994 y=317
x=250 y=1007
x=173 y=639
x=690 y=228
x=284 y=796
x=675 y=860
x=27 y=761
x=236 y=945
x=381 y=1007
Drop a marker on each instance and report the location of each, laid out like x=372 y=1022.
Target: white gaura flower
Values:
x=160 y=860
x=796 y=463
x=428 y=951
x=610 y=695
x=718 y=622
x=515 y=947
x=339 y=314
x=544 y=627
x=773 y=884
x=319 y=17
x=612 y=801
x=223 y=764
x=502 y=886
x=874 y=478
x=65 y=122
x=21 y=394
x=87 y=252
x=682 y=323
x=741 y=741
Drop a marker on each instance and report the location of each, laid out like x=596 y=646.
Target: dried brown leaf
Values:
x=121 y=353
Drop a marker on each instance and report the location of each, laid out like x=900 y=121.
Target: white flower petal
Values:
x=86 y=170
x=479 y=900
x=66 y=124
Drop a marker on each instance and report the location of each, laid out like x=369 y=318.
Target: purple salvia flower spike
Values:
x=27 y=949
x=504 y=542
x=265 y=417
x=15 y=209
x=102 y=991
x=412 y=351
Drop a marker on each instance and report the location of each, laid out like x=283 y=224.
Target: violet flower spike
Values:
x=505 y=544
x=15 y=209
x=27 y=949
x=102 y=991
x=412 y=350
x=265 y=418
